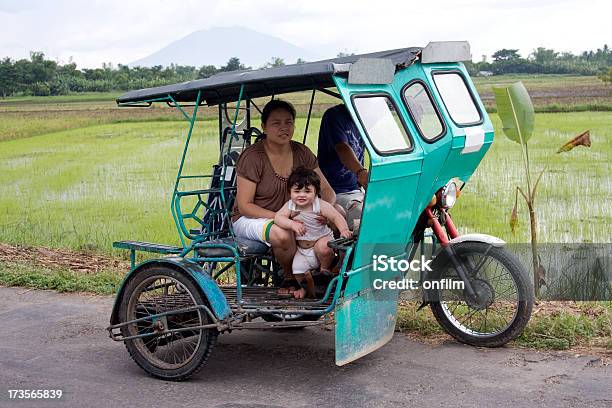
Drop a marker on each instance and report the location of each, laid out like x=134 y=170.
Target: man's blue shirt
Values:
x=337 y=126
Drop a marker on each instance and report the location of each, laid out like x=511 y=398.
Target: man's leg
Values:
x=352 y=203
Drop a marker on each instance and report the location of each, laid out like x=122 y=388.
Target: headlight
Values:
x=448 y=195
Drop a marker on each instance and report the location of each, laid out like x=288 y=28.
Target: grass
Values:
x=85 y=188
x=97 y=184
x=552 y=93
x=22 y=117
x=71 y=98
x=61 y=280
x=18 y=123
x=537 y=81
x=562 y=329
x=582 y=324
x=81 y=173
x=558 y=108
x=570 y=193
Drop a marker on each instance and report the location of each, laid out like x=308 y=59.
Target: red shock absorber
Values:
x=436 y=227
x=450 y=227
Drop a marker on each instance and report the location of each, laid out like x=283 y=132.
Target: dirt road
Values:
x=59 y=341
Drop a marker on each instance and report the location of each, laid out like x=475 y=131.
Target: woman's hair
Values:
x=276 y=104
x=302 y=177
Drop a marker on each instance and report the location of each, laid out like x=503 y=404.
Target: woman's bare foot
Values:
x=300 y=293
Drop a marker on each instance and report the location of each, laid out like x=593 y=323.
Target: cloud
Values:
x=121 y=31
x=11 y=7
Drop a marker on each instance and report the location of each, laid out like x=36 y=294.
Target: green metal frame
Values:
x=365 y=317
x=200 y=241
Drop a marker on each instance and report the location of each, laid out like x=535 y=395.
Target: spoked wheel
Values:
x=504 y=296
x=171 y=356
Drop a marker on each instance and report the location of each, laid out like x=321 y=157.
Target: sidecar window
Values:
x=457 y=98
x=423 y=111
x=382 y=123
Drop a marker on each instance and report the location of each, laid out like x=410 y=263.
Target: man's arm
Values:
x=350 y=161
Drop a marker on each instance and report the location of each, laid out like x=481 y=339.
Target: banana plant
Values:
x=518 y=119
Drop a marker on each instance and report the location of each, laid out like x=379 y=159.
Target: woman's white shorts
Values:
x=256 y=229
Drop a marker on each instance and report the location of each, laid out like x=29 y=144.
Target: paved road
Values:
x=58 y=341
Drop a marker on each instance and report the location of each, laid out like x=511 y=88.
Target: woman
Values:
x=262 y=170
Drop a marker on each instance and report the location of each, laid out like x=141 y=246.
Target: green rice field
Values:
x=84 y=188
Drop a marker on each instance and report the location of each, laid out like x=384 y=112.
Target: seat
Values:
x=246 y=247
x=147 y=247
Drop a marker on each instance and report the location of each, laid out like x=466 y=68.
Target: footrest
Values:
x=147 y=247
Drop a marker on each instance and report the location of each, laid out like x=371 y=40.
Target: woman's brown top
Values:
x=271 y=191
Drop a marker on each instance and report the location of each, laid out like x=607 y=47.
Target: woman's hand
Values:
x=322 y=220
x=298 y=227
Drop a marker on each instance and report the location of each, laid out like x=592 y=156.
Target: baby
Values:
x=302 y=215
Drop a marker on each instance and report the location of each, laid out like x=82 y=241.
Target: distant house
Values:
x=485 y=73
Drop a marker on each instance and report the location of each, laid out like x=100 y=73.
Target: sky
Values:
x=121 y=31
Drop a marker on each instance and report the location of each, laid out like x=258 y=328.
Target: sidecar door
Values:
x=365 y=316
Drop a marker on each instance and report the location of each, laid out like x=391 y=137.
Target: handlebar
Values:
x=341 y=243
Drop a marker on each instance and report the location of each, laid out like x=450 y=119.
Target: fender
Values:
x=218 y=303
x=489 y=239
x=440 y=258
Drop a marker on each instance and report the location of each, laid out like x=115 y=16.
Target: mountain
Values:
x=215 y=46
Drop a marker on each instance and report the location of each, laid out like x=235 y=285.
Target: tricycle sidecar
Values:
x=425 y=131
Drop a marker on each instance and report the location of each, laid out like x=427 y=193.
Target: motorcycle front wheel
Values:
x=503 y=302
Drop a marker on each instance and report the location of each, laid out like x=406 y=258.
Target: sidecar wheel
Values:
x=504 y=303
x=172 y=356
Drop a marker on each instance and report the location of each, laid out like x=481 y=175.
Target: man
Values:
x=340 y=155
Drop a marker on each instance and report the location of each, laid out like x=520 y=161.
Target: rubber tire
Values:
x=524 y=290
x=206 y=345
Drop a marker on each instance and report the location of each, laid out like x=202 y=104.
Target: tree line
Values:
x=41 y=77
x=545 y=61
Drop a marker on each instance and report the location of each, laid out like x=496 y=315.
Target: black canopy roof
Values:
x=225 y=87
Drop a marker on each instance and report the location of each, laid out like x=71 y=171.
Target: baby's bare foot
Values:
x=286 y=291
x=300 y=293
